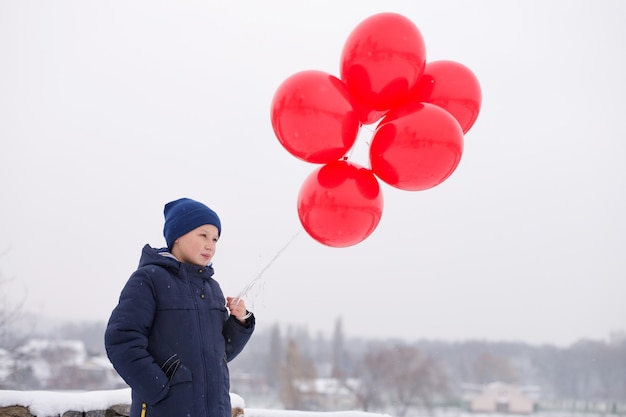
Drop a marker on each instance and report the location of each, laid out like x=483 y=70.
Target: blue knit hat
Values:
x=184 y=215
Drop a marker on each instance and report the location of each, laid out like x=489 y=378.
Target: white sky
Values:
x=110 y=109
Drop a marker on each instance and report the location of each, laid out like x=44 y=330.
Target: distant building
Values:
x=93 y=374
x=6 y=364
x=58 y=365
x=329 y=393
x=498 y=397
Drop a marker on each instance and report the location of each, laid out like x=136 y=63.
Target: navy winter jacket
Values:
x=170 y=338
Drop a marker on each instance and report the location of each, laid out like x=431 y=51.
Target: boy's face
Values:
x=198 y=246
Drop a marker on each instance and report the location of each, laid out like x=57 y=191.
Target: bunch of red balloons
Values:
x=422 y=110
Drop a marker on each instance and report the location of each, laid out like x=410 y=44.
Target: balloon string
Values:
x=265 y=268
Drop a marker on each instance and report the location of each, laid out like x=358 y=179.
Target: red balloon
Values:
x=313 y=117
x=381 y=62
x=416 y=147
x=454 y=87
x=340 y=204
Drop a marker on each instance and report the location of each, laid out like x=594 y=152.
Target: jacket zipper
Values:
x=143 y=409
x=200 y=307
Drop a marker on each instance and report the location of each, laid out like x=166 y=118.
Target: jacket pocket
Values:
x=182 y=375
x=179 y=399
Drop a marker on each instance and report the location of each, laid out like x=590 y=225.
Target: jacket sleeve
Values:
x=126 y=339
x=236 y=335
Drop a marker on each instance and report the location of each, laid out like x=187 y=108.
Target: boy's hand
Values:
x=237 y=308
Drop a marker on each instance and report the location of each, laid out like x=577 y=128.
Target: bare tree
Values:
x=11 y=330
x=402 y=376
x=298 y=370
x=489 y=368
x=275 y=358
x=369 y=392
x=339 y=358
x=12 y=334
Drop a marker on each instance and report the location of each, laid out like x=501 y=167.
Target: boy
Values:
x=171 y=334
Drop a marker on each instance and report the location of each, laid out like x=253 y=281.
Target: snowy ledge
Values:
x=255 y=412
x=54 y=404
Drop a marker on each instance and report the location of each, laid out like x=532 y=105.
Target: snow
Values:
x=255 y=412
x=51 y=403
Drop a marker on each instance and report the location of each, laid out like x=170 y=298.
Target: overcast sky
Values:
x=110 y=109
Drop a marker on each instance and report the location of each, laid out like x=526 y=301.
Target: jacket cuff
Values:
x=249 y=321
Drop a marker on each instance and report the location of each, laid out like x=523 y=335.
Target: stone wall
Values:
x=118 y=410
x=113 y=411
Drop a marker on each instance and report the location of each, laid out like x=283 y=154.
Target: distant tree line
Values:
x=401 y=374
x=392 y=373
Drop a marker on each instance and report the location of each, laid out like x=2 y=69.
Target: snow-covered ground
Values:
x=50 y=403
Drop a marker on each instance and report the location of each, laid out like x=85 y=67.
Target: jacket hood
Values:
x=163 y=258
x=160 y=257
